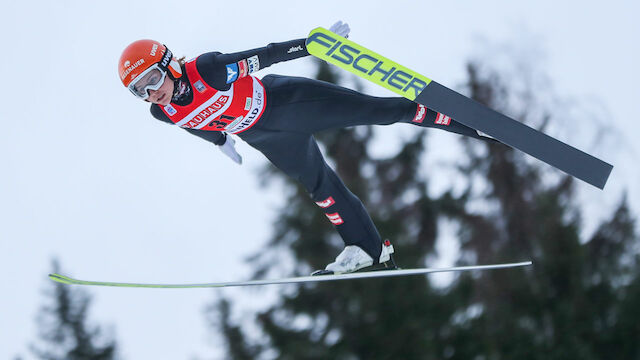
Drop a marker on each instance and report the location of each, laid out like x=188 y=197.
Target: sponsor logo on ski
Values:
x=170 y=110
x=326 y=203
x=294 y=49
x=199 y=86
x=232 y=73
x=335 y=219
x=421 y=111
x=443 y=119
x=253 y=63
x=369 y=64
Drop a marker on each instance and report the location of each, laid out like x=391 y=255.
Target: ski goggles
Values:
x=150 y=79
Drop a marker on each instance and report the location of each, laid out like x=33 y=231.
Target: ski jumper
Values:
x=278 y=115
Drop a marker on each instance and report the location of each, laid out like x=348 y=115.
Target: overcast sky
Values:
x=90 y=177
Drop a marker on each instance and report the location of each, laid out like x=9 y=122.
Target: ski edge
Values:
x=303 y=279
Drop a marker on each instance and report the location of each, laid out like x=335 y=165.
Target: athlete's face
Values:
x=163 y=95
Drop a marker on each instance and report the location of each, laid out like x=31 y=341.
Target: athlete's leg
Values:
x=299 y=157
x=307 y=105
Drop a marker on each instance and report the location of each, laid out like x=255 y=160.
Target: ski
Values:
x=380 y=70
x=293 y=280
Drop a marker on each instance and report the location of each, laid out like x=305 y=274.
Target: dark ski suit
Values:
x=296 y=108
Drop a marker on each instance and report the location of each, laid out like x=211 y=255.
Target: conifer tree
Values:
x=568 y=305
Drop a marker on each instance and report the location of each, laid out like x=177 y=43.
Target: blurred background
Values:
x=95 y=188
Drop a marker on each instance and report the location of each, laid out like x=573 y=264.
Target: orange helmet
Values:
x=144 y=64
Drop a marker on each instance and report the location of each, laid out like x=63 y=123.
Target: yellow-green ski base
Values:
x=365 y=63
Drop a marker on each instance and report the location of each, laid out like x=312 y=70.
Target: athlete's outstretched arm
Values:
x=220 y=70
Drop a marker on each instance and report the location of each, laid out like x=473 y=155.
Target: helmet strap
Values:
x=171 y=66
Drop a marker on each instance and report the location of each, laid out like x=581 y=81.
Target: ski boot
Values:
x=353 y=258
